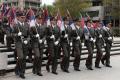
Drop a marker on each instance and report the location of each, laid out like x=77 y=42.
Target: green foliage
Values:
x=74 y=6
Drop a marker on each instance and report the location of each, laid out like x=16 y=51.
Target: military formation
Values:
x=32 y=40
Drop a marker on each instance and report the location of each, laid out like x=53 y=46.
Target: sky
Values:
x=47 y=2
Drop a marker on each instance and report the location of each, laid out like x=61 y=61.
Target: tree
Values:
x=74 y=6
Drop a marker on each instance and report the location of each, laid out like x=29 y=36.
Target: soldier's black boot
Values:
x=22 y=76
x=54 y=72
x=102 y=61
x=39 y=74
x=108 y=66
x=47 y=68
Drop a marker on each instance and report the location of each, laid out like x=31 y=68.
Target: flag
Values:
x=45 y=14
x=4 y=9
x=59 y=19
x=30 y=15
x=12 y=16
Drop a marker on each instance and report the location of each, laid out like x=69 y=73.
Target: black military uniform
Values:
x=65 y=45
x=53 y=39
x=89 y=35
x=108 y=37
x=7 y=30
x=21 y=34
x=1 y=33
x=37 y=42
x=77 y=35
x=99 y=43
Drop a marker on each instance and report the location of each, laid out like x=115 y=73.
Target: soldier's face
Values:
x=39 y=20
x=22 y=18
x=53 y=22
x=66 y=22
x=88 y=24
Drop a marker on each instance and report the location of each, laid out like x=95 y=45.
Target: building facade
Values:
x=24 y=3
x=106 y=10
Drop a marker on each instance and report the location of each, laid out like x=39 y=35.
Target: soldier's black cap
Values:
x=77 y=19
x=65 y=18
x=52 y=18
x=20 y=14
x=38 y=16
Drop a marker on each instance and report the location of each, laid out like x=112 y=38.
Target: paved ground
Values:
x=96 y=74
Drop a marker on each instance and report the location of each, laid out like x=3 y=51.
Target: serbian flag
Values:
x=12 y=16
x=4 y=9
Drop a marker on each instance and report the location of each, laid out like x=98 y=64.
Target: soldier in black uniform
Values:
x=65 y=45
x=1 y=33
x=77 y=47
x=37 y=43
x=7 y=30
x=99 y=43
x=108 y=37
x=53 y=39
x=21 y=34
x=89 y=34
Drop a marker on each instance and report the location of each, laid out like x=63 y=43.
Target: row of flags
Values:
x=10 y=13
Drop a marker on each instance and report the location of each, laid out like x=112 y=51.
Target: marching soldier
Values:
x=77 y=47
x=99 y=43
x=107 y=35
x=65 y=45
x=37 y=43
x=1 y=32
x=7 y=30
x=53 y=39
x=89 y=35
x=21 y=34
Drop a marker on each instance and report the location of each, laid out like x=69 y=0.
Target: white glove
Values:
x=40 y=41
x=94 y=40
x=25 y=42
x=104 y=44
x=110 y=38
x=91 y=39
x=20 y=33
x=45 y=42
x=56 y=43
x=37 y=35
x=70 y=43
x=66 y=36
x=100 y=36
x=78 y=38
x=52 y=37
x=83 y=44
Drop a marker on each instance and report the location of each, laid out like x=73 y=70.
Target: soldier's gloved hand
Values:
x=91 y=39
x=78 y=38
x=40 y=41
x=110 y=38
x=94 y=40
x=104 y=44
x=25 y=42
x=56 y=43
x=66 y=36
x=52 y=37
x=37 y=35
x=20 y=33
x=83 y=44
x=45 y=42
x=100 y=36
x=70 y=43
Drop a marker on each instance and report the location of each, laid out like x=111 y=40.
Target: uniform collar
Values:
x=21 y=23
x=38 y=24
